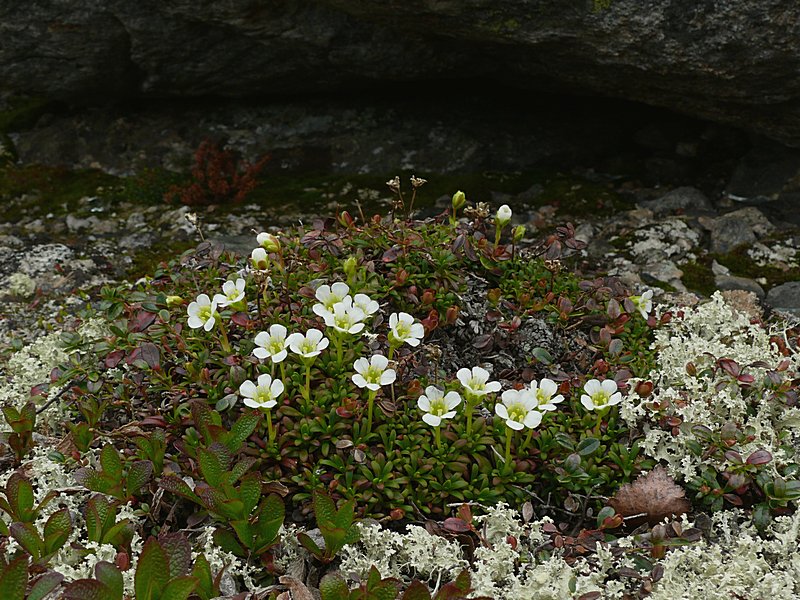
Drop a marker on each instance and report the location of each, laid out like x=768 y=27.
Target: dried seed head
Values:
x=394 y=184
x=417 y=181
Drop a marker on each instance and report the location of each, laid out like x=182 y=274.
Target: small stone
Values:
x=731 y=282
x=785 y=297
x=683 y=198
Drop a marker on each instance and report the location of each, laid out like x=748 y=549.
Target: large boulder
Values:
x=726 y=60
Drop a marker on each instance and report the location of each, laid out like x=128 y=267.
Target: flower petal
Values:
x=501 y=410
x=277 y=331
x=592 y=386
x=615 y=399
x=264 y=380
x=431 y=420
x=388 y=376
x=359 y=380
x=276 y=389
x=532 y=419
x=423 y=403
x=609 y=386
x=248 y=389
x=548 y=387
x=452 y=399
x=587 y=402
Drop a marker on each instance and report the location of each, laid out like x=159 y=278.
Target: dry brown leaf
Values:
x=655 y=496
x=297 y=588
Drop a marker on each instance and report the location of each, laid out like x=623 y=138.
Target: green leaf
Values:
x=14 y=579
x=111 y=577
x=179 y=553
x=761 y=516
x=588 y=446
x=177 y=486
x=179 y=588
x=152 y=571
x=244 y=532
x=212 y=470
x=139 y=474
x=19 y=493
x=92 y=480
x=241 y=430
x=111 y=462
x=250 y=492
x=88 y=589
x=205 y=580
x=226 y=540
x=345 y=514
x=45 y=584
x=28 y=537
x=271 y=514
x=309 y=544
x=119 y=535
x=324 y=511
x=542 y=355
x=333 y=587
x=100 y=516
x=240 y=469
x=57 y=530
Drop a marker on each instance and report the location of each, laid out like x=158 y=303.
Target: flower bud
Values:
x=350 y=264
x=459 y=200
x=503 y=216
x=519 y=233
x=269 y=242
x=174 y=300
x=259 y=259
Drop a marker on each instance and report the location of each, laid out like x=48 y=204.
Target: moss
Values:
x=698 y=277
x=58 y=189
x=743 y=265
x=22 y=113
x=145 y=262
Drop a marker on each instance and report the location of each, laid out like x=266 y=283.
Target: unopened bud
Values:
x=259 y=259
x=459 y=200
x=503 y=216
x=519 y=233
x=269 y=242
x=350 y=265
x=174 y=300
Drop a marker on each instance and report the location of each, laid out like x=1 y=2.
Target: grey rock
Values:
x=785 y=297
x=766 y=173
x=728 y=61
x=683 y=198
x=740 y=227
x=731 y=282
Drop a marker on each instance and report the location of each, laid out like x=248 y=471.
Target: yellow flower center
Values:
x=204 y=313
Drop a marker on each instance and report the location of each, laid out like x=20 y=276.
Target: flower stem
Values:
x=307 y=391
x=527 y=441
x=223 y=337
x=339 y=349
x=438 y=436
x=270 y=428
x=370 y=403
x=509 y=433
x=469 y=407
x=497 y=231
x=283 y=373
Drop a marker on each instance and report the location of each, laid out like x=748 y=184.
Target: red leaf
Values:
x=114 y=358
x=456 y=525
x=241 y=319
x=141 y=321
x=759 y=457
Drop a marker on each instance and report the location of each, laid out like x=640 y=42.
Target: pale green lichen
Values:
x=20 y=285
x=700 y=336
x=31 y=366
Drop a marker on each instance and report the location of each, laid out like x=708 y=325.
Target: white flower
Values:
x=366 y=304
x=268 y=241
x=437 y=406
x=272 y=344
x=600 y=394
x=503 y=215
x=263 y=395
x=519 y=409
x=308 y=345
x=643 y=303
x=259 y=259
x=202 y=313
x=403 y=329
x=231 y=293
x=544 y=394
x=476 y=382
x=329 y=295
x=345 y=317
x=372 y=373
